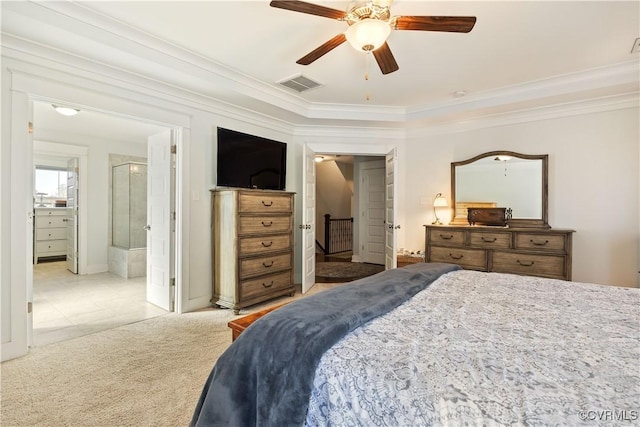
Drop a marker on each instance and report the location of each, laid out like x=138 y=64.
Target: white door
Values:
x=390 y=209
x=308 y=226
x=72 y=215
x=373 y=211
x=159 y=210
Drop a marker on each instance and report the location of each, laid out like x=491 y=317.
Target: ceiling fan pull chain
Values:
x=366 y=72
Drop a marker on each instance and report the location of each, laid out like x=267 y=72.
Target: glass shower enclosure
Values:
x=127 y=255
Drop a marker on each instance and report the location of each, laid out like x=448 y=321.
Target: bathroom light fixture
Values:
x=438 y=202
x=318 y=159
x=65 y=111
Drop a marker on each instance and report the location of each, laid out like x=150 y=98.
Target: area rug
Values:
x=334 y=272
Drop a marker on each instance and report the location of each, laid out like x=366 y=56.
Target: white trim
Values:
x=610 y=103
x=20 y=223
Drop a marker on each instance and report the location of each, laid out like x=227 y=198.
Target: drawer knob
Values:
x=539 y=242
x=525 y=263
x=267 y=204
x=264 y=224
x=267 y=244
x=452 y=256
x=264 y=264
x=446 y=237
x=488 y=240
x=267 y=286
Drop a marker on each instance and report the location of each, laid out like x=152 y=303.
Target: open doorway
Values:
x=100 y=294
x=350 y=215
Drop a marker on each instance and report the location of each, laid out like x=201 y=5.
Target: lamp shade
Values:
x=440 y=201
x=368 y=35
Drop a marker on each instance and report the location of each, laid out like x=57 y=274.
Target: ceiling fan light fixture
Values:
x=368 y=34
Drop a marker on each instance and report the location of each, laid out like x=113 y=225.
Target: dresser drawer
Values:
x=529 y=264
x=51 y=233
x=265 y=285
x=482 y=239
x=446 y=237
x=264 y=202
x=51 y=212
x=45 y=247
x=51 y=221
x=264 y=265
x=475 y=259
x=544 y=242
x=264 y=224
x=260 y=245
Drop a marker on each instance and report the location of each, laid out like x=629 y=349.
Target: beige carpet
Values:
x=148 y=373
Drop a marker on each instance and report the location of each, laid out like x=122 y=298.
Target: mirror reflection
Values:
x=501 y=179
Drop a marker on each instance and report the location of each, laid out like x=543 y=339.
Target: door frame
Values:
x=81 y=153
x=24 y=91
x=350 y=148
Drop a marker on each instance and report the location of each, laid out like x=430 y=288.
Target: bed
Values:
x=430 y=344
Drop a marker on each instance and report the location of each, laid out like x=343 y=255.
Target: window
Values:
x=50 y=185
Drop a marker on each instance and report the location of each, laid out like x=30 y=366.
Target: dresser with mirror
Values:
x=483 y=188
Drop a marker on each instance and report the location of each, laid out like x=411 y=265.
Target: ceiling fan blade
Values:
x=312 y=9
x=453 y=24
x=325 y=48
x=385 y=59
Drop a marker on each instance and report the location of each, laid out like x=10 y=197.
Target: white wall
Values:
x=593 y=183
x=334 y=194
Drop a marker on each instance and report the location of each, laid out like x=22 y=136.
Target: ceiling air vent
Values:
x=299 y=83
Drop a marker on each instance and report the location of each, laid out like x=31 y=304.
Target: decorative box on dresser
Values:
x=543 y=252
x=50 y=233
x=252 y=246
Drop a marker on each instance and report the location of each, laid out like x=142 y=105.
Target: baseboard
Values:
x=97 y=268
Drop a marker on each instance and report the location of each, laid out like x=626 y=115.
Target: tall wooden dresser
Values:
x=50 y=233
x=252 y=235
x=527 y=251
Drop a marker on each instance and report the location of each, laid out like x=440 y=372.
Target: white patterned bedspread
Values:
x=489 y=349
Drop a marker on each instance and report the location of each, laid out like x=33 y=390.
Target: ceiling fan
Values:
x=370 y=23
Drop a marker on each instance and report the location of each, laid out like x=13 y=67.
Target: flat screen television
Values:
x=248 y=161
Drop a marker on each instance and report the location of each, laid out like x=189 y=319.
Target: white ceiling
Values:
x=91 y=124
x=520 y=55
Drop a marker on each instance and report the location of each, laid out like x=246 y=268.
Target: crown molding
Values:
x=576 y=108
x=32 y=62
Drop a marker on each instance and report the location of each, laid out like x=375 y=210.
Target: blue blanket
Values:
x=265 y=377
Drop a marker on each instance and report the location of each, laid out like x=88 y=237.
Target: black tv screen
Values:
x=249 y=161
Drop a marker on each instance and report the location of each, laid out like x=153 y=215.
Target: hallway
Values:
x=66 y=305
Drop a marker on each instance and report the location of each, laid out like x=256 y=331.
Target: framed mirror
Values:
x=502 y=179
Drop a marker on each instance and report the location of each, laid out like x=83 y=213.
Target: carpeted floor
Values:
x=333 y=272
x=148 y=373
